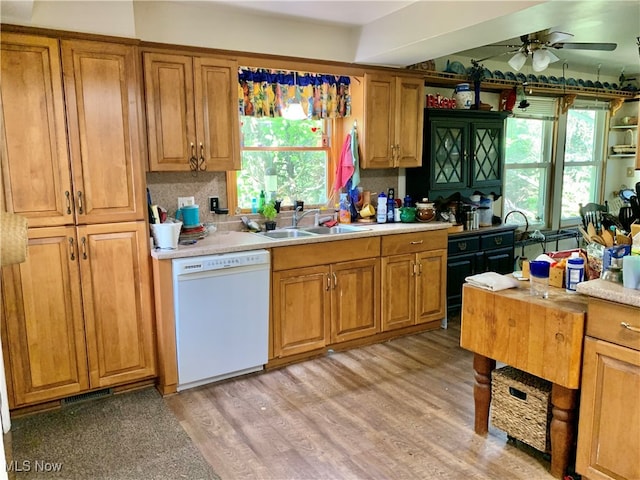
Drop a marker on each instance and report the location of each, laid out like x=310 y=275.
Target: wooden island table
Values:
x=542 y=337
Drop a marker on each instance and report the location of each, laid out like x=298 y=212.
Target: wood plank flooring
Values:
x=398 y=410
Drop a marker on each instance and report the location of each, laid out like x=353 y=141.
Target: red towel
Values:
x=345 y=168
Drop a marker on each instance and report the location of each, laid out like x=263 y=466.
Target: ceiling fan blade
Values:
x=607 y=47
x=556 y=37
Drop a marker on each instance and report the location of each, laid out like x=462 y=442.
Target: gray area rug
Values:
x=128 y=436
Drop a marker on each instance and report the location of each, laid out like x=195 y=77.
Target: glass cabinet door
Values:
x=486 y=163
x=448 y=154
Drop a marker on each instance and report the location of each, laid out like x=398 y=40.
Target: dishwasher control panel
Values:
x=185 y=266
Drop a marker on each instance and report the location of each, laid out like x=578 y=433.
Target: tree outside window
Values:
x=287 y=159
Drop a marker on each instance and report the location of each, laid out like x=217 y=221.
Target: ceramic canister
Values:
x=463 y=96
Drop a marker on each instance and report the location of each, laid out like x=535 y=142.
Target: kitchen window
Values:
x=289 y=160
x=549 y=191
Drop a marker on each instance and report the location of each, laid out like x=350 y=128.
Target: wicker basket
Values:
x=13 y=238
x=521 y=406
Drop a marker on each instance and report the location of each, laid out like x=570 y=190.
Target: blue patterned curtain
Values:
x=265 y=93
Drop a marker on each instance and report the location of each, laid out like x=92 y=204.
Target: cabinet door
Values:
x=103 y=106
x=459 y=267
x=609 y=428
x=431 y=284
x=43 y=318
x=171 y=122
x=35 y=163
x=487 y=154
x=379 y=130
x=399 y=291
x=409 y=120
x=449 y=152
x=301 y=310
x=355 y=310
x=216 y=108
x=499 y=260
x=116 y=292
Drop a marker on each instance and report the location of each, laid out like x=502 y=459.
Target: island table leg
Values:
x=483 y=367
x=564 y=402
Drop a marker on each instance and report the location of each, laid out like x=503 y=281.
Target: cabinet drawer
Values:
x=604 y=322
x=463 y=245
x=496 y=240
x=308 y=255
x=413 y=242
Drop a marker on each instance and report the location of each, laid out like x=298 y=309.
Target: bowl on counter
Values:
x=407 y=214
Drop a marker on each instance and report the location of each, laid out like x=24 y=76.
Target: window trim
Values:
x=232 y=179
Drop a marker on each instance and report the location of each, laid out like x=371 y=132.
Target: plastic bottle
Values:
x=382 y=208
x=344 y=215
x=391 y=204
x=575 y=271
x=261 y=201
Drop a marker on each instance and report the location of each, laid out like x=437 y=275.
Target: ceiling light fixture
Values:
x=294 y=110
x=541 y=58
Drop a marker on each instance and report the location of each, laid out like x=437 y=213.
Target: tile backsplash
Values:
x=166 y=187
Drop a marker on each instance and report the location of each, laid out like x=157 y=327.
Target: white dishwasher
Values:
x=222 y=315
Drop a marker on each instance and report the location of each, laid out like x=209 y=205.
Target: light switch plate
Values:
x=183 y=201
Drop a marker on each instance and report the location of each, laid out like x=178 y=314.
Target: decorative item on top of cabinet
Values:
x=393 y=120
x=463 y=152
x=192 y=112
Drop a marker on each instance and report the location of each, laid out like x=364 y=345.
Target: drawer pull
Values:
x=497 y=240
x=462 y=245
x=629 y=327
x=417 y=243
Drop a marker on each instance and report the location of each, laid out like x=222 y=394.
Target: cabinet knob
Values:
x=497 y=240
x=462 y=245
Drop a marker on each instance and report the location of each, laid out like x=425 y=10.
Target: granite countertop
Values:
x=613 y=292
x=226 y=242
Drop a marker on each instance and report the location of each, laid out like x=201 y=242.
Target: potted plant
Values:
x=270 y=213
x=476 y=75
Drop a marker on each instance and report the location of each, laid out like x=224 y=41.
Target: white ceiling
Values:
x=401 y=33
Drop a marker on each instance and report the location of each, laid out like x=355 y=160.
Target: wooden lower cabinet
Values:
x=78 y=312
x=318 y=306
x=301 y=307
x=414 y=282
x=609 y=425
x=324 y=294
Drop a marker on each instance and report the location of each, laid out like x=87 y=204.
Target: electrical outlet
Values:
x=630 y=172
x=183 y=201
x=214 y=204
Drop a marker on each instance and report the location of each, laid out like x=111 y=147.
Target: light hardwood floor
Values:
x=398 y=410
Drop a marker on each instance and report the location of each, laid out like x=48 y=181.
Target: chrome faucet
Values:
x=295 y=218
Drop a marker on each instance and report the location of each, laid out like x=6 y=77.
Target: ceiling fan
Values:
x=540 y=45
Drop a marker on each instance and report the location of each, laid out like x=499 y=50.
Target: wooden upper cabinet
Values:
x=409 y=121
x=35 y=162
x=103 y=111
x=217 y=118
x=192 y=111
x=168 y=81
x=394 y=117
x=42 y=310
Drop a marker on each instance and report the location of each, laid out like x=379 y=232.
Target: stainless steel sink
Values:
x=286 y=233
x=304 y=232
x=334 y=230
